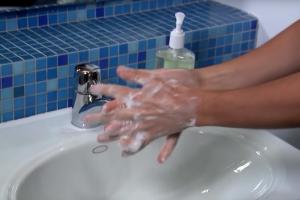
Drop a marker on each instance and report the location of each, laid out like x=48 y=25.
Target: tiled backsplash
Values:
x=58 y=14
x=37 y=64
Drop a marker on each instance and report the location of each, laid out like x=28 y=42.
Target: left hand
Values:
x=160 y=108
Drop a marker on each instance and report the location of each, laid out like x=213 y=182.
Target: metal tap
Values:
x=85 y=103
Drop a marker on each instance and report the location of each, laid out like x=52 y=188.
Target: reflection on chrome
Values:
x=204 y=191
x=258 y=153
x=242 y=167
x=265 y=148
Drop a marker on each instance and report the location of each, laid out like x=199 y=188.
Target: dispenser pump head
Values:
x=177 y=35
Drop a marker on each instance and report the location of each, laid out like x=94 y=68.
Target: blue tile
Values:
x=103 y=52
x=18 y=68
x=62 y=104
x=52 y=96
x=132 y=58
x=63 y=72
x=52 y=73
x=51 y=106
x=151 y=44
x=8 y=116
x=73 y=58
x=100 y=12
x=7 y=93
x=142 y=56
x=62 y=60
x=30 y=101
x=19 y=80
x=142 y=45
x=22 y=23
x=62 y=17
x=41 y=87
x=7 y=82
x=18 y=91
x=113 y=51
x=53 y=19
x=123 y=60
x=112 y=73
x=30 y=111
x=91 y=13
x=2 y=25
x=32 y=21
x=104 y=74
x=30 y=89
x=70 y=102
x=52 y=62
x=141 y=65
x=11 y=24
x=43 y=20
x=103 y=63
x=62 y=94
x=253 y=25
x=123 y=49
x=30 y=78
x=41 y=99
x=41 y=64
x=18 y=114
x=108 y=11
x=238 y=27
x=83 y=56
x=113 y=62
x=41 y=109
x=41 y=76
x=7 y=70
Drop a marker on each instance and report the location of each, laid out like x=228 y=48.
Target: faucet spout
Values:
x=85 y=103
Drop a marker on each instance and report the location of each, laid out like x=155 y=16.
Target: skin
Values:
x=257 y=90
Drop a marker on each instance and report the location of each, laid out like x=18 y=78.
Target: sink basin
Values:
x=209 y=163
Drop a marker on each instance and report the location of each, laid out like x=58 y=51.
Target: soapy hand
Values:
x=163 y=107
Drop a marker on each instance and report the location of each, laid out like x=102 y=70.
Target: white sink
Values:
x=48 y=159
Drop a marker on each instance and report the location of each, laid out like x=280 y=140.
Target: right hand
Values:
x=184 y=77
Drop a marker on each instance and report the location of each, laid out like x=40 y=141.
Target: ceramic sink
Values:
x=45 y=158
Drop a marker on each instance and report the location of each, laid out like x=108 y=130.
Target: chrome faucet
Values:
x=85 y=103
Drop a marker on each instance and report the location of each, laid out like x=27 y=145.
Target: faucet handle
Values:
x=86 y=75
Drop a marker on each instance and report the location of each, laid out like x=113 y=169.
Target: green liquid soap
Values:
x=175 y=59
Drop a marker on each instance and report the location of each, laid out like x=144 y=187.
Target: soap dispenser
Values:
x=175 y=55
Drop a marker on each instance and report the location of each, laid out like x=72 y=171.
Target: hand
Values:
x=160 y=108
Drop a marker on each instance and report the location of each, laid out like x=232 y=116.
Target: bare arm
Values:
x=273 y=104
x=277 y=58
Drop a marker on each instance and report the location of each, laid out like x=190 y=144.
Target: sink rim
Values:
x=85 y=139
x=12 y=164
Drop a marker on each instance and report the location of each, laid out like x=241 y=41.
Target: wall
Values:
x=37 y=60
x=273 y=15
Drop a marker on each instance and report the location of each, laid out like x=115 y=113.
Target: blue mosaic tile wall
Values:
x=37 y=65
x=19 y=19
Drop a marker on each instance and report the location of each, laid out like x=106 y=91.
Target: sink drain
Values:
x=99 y=149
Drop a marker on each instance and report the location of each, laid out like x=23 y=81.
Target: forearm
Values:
x=277 y=58
x=270 y=105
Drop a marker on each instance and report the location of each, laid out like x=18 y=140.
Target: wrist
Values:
x=207 y=108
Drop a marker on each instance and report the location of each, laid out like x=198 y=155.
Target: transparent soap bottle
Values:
x=175 y=55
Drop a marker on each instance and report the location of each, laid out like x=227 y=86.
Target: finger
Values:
x=131 y=144
x=168 y=147
x=110 y=90
x=113 y=105
x=133 y=75
x=98 y=117
x=115 y=129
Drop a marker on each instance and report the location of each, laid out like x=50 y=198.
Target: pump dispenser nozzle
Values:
x=177 y=35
